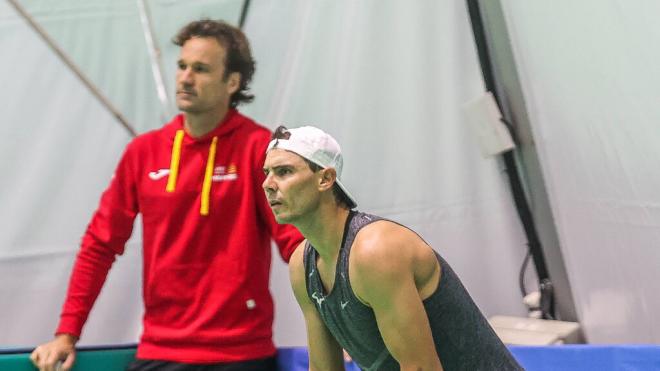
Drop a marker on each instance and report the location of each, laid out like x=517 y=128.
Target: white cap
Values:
x=316 y=146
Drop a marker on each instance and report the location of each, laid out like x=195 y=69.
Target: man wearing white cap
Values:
x=366 y=284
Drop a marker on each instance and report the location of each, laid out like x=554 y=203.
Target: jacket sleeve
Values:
x=104 y=239
x=286 y=236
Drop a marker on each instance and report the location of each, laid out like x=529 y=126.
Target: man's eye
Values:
x=181 y=66
x=199 y=69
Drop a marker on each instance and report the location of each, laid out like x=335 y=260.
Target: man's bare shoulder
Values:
x=297 y=274
x=383 y=240
x=381 y=260
x=296 y=260
x=385 y=250
x=380 y=249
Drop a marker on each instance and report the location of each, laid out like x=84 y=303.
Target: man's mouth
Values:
x=274 y=203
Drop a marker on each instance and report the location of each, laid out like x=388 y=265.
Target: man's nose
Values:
x=268 y=185
x=185 y=76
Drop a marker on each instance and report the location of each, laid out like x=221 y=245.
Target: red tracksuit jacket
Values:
x=206 y=268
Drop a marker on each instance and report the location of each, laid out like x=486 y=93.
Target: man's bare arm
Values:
x=325 y=354
x=382 y=266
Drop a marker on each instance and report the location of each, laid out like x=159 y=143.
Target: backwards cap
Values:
x=316 y=146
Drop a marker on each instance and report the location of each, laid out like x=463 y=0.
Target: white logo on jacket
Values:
x=158 y=174
x=222 y=173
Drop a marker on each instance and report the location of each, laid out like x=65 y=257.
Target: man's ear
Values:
x=233 y=82
x=327 y=179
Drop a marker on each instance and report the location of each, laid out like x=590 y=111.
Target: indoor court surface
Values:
x=532 y=358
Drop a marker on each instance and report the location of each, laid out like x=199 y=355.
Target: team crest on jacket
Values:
x=223 y=173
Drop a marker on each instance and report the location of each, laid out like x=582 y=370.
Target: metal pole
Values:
x=154 y=57
x=244 y=12
x=519 y=197
x=72 y=66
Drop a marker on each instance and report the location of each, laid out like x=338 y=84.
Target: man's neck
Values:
x=325 y=230
x=200 y=124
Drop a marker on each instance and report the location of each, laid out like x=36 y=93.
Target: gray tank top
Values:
x=463 y=338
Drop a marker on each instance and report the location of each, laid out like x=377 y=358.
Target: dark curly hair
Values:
x=239 y=58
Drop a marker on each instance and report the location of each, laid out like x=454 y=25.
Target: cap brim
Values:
x=349 y=197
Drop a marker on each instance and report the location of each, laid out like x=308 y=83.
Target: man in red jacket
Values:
x=207 y=226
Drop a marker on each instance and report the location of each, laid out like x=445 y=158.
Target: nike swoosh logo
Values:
x=319 y=299
x=160 y=173
x=343 y=305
